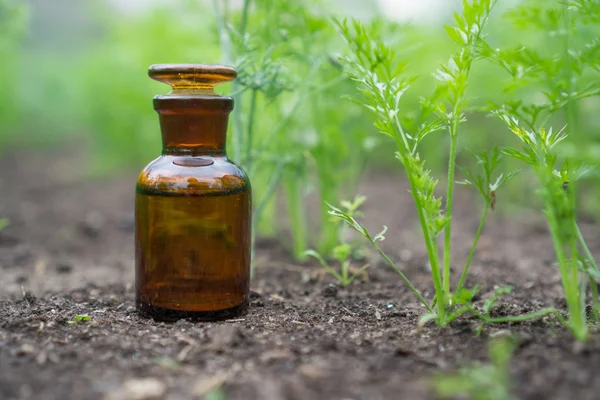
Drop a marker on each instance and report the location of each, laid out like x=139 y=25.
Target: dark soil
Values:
x=69 y=251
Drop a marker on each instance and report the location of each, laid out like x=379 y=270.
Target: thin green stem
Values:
x=326 y=266
x=404 y=278
x=463 y=277
x=595 y=302
x=272 y=186
x=574 y=255
x=570 y=106
x=244 y=21
x=345 y=266
x=431 y=249
x=429 y=240
x=456 y=111
x=520 y=318
x=585 y=248
x=250 y=130
x=450 y=201
x=329 y=232
x=570 y=287
x=297 y=217
x=236 y=134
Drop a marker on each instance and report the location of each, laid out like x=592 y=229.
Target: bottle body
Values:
x=193 y=232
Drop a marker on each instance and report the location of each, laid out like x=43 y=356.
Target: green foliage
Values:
x=563 y=80
x=78 y=319
x=481 y=382
x=3 y=223
x=288 y=127
x=13 y=19
x=344 y=251
x=557 y=188
x=544 y=81
x=382 y=80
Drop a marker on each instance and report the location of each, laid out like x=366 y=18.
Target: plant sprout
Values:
x=79 y=318
x=343 y=251
x=481 y=382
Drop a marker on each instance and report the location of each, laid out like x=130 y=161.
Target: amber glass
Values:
x=192 y=205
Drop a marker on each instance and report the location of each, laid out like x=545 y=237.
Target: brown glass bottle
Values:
x=193 y=205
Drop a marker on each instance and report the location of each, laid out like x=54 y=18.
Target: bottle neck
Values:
x=193 y=129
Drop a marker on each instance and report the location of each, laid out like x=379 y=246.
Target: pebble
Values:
x=311 y=371
x=92 y=224
x=274 y=355
x=403 y=349
x=25 y=349
x=138 y=389
x=63 y=268
x=330 y=291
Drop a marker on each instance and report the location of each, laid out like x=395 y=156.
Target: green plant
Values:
x=557 y=189
x=562 y=82
x=383 y=82
x=3 y=223
x=343 y=252
x=287 y=128
x=556 y=84
x=481 y=382
x=79 y=318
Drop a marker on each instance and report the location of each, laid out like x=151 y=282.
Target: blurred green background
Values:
x=75 y=71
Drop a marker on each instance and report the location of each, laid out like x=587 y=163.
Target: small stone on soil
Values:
x=138 y=389
x=403 y=349
x=25 y=349
x=92 y=224
x=274 y=355
x=63 y=268
x=311 y=371
x=330 y=291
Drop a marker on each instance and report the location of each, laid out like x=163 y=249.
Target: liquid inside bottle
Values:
x=193 y=205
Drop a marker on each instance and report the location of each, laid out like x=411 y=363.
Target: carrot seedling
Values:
x=557 y=189
x=79 y=318
x=382 y=80
x=481 y=382
x=343 y=252
x=562 y=80
x=287 y=124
